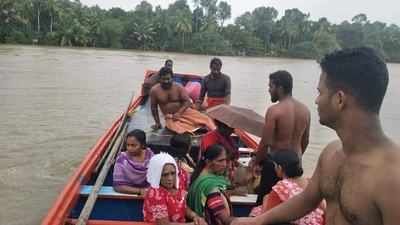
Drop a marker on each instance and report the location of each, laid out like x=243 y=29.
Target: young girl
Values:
x=131 y=166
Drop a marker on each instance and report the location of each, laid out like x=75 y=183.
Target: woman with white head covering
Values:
x=165 y=202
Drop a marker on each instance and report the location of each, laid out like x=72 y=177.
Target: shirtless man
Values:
x=359 y=176
x=287 y=126
x=174 y=103
x=171 y=97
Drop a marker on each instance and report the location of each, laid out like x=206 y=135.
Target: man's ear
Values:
x=340 y=99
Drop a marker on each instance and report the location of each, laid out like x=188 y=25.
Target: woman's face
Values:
x=168 y=177
x=133 y=146
x=219 y=164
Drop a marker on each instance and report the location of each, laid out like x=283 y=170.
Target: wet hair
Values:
x=139 y=135
x=167 y=61
x=180 y=144
x=360 y=72
x=164 y=71
x=211 y=153
x=215 y=60
x=289 y=161
x=282 y=78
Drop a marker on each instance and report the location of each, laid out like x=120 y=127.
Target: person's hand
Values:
x=142 y=191
x=176 y=116
x=156 y=126
x=244 y=221
x=197 y=220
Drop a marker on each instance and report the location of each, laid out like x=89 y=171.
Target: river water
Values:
x=56 y=102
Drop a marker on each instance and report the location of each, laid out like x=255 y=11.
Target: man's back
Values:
x=292 y=120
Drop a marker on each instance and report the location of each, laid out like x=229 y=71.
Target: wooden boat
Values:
x=111 y=207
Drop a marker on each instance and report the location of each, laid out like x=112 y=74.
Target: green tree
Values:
x=223 y=12
x=323 y=43
x=263 y=20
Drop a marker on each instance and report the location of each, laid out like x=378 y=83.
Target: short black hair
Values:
x=167 y=61
x=361 y=72
x=289 y=160
x=180 y=144
x=164 y=71
x=282 y=78
x=140 y=135
x=216 y=60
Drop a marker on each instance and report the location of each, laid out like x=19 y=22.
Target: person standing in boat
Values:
x=130 y=168
x=287 y=126
x=216 y=86
x=359 y=174
x=207 y=194
x=165 y=202
x=174 y=103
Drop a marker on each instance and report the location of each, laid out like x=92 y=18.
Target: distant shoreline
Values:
x=171 y=52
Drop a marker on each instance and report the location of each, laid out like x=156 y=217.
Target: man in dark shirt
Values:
x=216 y=85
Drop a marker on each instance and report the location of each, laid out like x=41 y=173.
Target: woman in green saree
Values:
x=207 y=195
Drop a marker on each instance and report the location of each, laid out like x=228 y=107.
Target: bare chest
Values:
x=348 y=190
x=169 y=96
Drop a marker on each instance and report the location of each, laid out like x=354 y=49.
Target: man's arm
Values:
x=306 y=135
x=154 y=108
x=185 y=99
x=267 y=135
x=228 y=90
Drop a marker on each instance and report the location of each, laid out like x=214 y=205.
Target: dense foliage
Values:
x=202 y=30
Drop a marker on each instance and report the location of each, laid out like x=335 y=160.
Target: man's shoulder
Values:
x=331 y=150
x=225 y=76
x=156 y=87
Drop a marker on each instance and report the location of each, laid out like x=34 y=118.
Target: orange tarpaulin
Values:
x=189 y=121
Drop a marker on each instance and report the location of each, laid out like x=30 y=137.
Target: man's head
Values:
x=166 y=78
x=351 y=79
x=168 y=63
x=215 y=66
x=280 y=85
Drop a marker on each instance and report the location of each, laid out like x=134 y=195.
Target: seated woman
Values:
x=131 y=165
x=165 y=202
x=207 y=196
x=180 y=145
x=288 y=168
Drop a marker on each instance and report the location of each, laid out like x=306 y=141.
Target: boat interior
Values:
x=111 y=205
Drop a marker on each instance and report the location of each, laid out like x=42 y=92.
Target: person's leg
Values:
x=268 y=180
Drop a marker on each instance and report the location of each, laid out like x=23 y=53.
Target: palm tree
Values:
x=183 y=26
x=143 y=32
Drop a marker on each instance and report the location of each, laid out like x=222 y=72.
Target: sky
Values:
x=336 y=11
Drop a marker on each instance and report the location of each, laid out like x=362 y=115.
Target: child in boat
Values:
x=288 y=168
x=131 y=165
x=165 y=201
x=180 y=145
